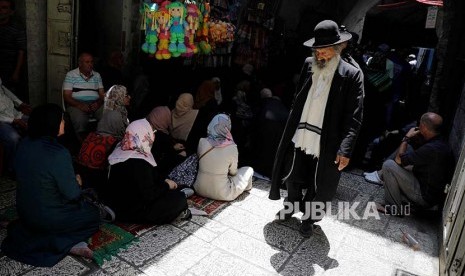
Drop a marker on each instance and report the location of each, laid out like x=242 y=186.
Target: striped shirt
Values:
x=83 y=90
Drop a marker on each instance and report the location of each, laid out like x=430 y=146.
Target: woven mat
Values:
x=108 y=241
x=210 y=206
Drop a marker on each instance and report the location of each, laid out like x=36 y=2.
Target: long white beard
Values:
x=308 y=133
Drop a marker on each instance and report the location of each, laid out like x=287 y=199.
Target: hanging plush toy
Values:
x=177 y=24
x=202 y=32
x=192 y=19
x=163 y=19
x=151 y=39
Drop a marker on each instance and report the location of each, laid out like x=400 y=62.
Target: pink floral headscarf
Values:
x=219 y=131
x=137 y=143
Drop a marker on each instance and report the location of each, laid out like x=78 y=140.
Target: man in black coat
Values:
x=321 y=129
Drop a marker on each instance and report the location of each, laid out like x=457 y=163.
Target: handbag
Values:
x=185 y=173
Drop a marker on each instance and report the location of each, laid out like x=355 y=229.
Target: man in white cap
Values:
x=321 y=129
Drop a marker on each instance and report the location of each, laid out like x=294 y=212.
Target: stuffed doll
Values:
x=163 y=18
x=192 y=19
x=203 y=30
x=151 y=39
x=177 y=25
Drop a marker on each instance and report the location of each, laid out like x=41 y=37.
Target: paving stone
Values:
x=262 y=207
x=199 y=231
x=424 y=264
x=256 y=252
x=7 y=199
x=67 y=266
x=243 y=221
x=209 y=224
x=281 y=236
x=2 y=236
x=334 y=230
x=7 y=184
x=12 y=267
x=357 y=262
x=260 y=188
x=152 y=243
x=311 y=258
x=118 y=267
x=178 y=259
x=345 y=194
x=374 y=246
x=222 y=263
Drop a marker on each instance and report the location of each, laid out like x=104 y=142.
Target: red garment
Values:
x=95 y=150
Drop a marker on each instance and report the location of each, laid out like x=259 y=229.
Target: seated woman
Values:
x=134 y=189
x=53 y=220
x=166 y=152
x=92 y=158
x=187 y=124
x=218 y=177
x=205 y=99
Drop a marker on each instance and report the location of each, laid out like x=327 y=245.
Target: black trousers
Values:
x=302 y=177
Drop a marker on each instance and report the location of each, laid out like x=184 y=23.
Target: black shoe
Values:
x=185 y=215
x=306 y=229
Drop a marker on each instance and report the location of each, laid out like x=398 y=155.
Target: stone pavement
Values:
x=244 y=239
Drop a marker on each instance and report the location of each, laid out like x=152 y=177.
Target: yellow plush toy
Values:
x=162 y=17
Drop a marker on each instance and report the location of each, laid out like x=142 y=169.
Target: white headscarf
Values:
x=137 y=143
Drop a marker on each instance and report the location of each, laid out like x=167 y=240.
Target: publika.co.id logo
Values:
x=344 y=211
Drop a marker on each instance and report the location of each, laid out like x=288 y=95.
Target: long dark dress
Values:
x=52 y=216
x=136 y=194
x=165 y=155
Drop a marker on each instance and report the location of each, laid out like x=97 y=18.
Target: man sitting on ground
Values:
x=417 y=177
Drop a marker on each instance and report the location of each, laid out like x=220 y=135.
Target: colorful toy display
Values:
x=177 y=25
x=163 y=19
x=182 y=28
x=192 y=19
x=221 y=32
x=148 y=24
x=202 y=32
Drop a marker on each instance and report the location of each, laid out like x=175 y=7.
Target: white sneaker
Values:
x=188 y=192
x=373 y=177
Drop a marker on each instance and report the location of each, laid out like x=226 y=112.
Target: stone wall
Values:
x=36 y=30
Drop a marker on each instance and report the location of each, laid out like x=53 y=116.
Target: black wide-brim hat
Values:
x=327 y=34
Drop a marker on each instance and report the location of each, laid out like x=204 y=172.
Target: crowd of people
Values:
x=127 y=157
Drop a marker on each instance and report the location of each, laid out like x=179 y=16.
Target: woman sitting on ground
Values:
x=53 y=219
x=187 y=124
x=92 y=158
x=218 y=177
x=166 y=152
x=134 y=189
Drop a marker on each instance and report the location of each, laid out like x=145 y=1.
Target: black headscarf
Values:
x=45 y=120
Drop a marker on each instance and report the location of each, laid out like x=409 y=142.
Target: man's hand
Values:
x=20 y=123
x=342 y=161
x=94 y=106
x=84 y=107
x=25 y=109
x=414 y=131
x=79 y=180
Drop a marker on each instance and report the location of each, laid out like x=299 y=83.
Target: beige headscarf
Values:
x=183 y=117
x=160 y=118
